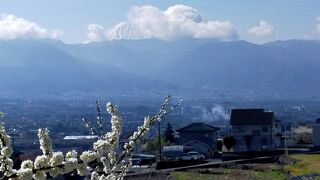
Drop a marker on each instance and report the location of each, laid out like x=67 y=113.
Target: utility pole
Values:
x=159 y=139
x=284 y=112
x=285 y=138
x=13 y=138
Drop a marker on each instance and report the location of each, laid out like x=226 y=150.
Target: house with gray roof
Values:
x=200 y=136
x=254 y=130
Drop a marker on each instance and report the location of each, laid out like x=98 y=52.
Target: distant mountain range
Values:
x=149 y=67
x=38 y=68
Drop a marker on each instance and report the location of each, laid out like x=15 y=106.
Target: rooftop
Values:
x=251 y=117
x=198 y=127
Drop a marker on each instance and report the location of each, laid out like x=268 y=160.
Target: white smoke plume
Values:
x=216 y=113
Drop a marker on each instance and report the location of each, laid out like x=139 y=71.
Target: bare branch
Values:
x=88 y=125
x=99 y=119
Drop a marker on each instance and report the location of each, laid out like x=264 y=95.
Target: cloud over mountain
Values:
x=318 y=25
x=145 y=22
x=12 y=27
x=263 y=29
x=315 y=33
x=95 y=33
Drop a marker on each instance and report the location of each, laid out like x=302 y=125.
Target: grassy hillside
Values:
x=305 y=164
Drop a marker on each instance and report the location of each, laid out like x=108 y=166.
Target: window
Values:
x=241 y=130
x=265 y=129
x=256 y=132
x=264 y=142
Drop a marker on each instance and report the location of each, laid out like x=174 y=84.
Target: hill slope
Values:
x=185 y=66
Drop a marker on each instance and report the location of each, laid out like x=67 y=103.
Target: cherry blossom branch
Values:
x=104 y=150
x=129 y=147
x=6 y=150
x=99 y=118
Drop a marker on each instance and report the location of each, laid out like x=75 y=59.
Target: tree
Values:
x=113 y=165
x=152 y=145
x=168 y=134
x=303 y=135
x=229 y=142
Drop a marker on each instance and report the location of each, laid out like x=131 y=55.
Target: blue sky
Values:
x=273 y=19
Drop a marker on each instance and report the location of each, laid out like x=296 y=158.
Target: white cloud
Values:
x=315 y=33
x=318 y=25
x=55 y=34
x=175 y=22
x=263 y=29
x=95 y=33
x=12 y=27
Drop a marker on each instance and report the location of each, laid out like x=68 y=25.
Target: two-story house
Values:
x=316 y=133
x=254 y=130
x=202 y=137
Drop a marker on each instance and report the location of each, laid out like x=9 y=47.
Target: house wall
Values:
x=316 y=135
x=262 y=137
x=186 y=137
x=202 y=148
x=277 y=130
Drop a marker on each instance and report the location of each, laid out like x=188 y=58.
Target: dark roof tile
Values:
x=198 y=127
x=251 y=117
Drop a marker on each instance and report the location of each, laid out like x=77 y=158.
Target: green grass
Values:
x=225 y=174
x=192 y=176
x=306 y=164
x=276 y=175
